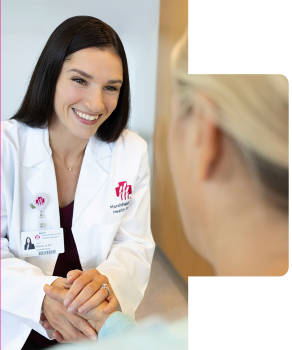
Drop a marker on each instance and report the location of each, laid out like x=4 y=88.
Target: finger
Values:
x=47 y=325
x=92 y=290
x=73 y=275
x=61 y=282
x=56 y=293
x=43 y=317
x=75 y=337
x=71 y=334
x=99 y=297
x=112 y=304
x=57 y=315
x=58 y=337
x=78 y=285
x=83 y=326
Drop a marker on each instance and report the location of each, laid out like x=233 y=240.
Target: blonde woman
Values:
x=228 y=149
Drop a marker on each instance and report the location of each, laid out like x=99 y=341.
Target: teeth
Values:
x=86 y=116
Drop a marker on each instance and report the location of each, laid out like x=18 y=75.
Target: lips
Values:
x=88 y=119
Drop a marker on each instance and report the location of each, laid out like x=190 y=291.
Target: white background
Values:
x=27 y=25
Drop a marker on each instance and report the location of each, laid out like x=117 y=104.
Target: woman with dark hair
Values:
x=28 y=245
x=69 y=143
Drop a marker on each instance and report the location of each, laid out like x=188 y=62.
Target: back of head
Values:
x=253 y=111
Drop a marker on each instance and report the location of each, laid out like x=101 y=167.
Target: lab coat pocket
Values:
x=108 y=234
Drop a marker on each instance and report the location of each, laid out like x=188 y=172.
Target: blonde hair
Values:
x=251 y=109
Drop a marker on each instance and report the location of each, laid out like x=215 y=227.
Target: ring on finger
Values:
x=104 y=286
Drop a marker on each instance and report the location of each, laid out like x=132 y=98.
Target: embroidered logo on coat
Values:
x=124 y=190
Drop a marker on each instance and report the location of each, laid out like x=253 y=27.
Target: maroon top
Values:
x=66 y=262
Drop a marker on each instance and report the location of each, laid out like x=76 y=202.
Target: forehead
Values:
x=94 y=61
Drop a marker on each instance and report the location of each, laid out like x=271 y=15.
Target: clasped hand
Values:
x=70 y=303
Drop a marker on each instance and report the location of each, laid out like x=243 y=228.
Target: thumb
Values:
x=43 y=317
x=55 y=293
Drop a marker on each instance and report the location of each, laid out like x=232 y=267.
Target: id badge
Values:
x=42 y=242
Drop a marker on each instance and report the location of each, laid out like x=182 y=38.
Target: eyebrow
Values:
x=88 y=76
x=81 y=72
x=115 y=81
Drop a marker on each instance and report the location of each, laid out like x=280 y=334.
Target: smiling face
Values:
x=87 y=91
x=28 y=240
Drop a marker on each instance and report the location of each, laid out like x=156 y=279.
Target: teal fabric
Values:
x=117 y=323
x=154 y=335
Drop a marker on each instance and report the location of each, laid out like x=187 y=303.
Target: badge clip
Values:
x=40 y=200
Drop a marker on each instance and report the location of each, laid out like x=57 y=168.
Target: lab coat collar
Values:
x=38 y=150
x=99 y=149
x=92 y=176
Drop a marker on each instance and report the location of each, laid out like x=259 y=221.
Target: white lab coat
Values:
x=115 y=240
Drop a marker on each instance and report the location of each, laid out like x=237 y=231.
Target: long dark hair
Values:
x=74 y=34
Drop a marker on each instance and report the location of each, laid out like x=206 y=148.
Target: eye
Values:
x=111 y=88
x=79 y=81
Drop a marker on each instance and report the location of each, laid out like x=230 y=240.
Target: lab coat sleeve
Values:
x=21 y=283
x=128 y=264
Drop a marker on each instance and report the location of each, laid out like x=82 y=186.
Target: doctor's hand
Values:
x=95 y=317
x=85 y=293
x=73 y=328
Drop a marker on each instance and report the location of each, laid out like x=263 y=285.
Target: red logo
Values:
x=124 y=190
x=40 y=201
x=37 y=237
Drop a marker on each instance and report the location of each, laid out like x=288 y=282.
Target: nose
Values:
x=94 y=102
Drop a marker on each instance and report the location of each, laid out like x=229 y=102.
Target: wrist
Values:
x=43 y=304
x=97 y=324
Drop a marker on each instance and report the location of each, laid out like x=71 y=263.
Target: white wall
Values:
x=26 y=26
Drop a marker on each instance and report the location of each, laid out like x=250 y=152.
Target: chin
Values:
x=83 y=133
x=196 y=238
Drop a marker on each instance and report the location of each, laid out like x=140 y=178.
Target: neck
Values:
x=253 y=243
x=245 y=234
x=64 y=143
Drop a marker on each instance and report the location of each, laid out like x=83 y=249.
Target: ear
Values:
x=208 y=141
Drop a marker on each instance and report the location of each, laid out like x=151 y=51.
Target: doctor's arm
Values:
x=128 y=264
x=22 y=283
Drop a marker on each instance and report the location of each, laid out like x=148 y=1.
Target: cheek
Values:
x=73 y=94
x=66 y=96
x=174 y=139
x=176 y=148
x=111 y=102
x=181 y=157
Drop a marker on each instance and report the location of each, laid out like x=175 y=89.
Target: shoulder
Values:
x=11 y=125
x=12 y=132
x=130 y=143
x=278 y=268
x=130 y=136
x=14 y=137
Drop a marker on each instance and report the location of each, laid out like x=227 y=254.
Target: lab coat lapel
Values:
x=37 y=154
x=91 y=177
